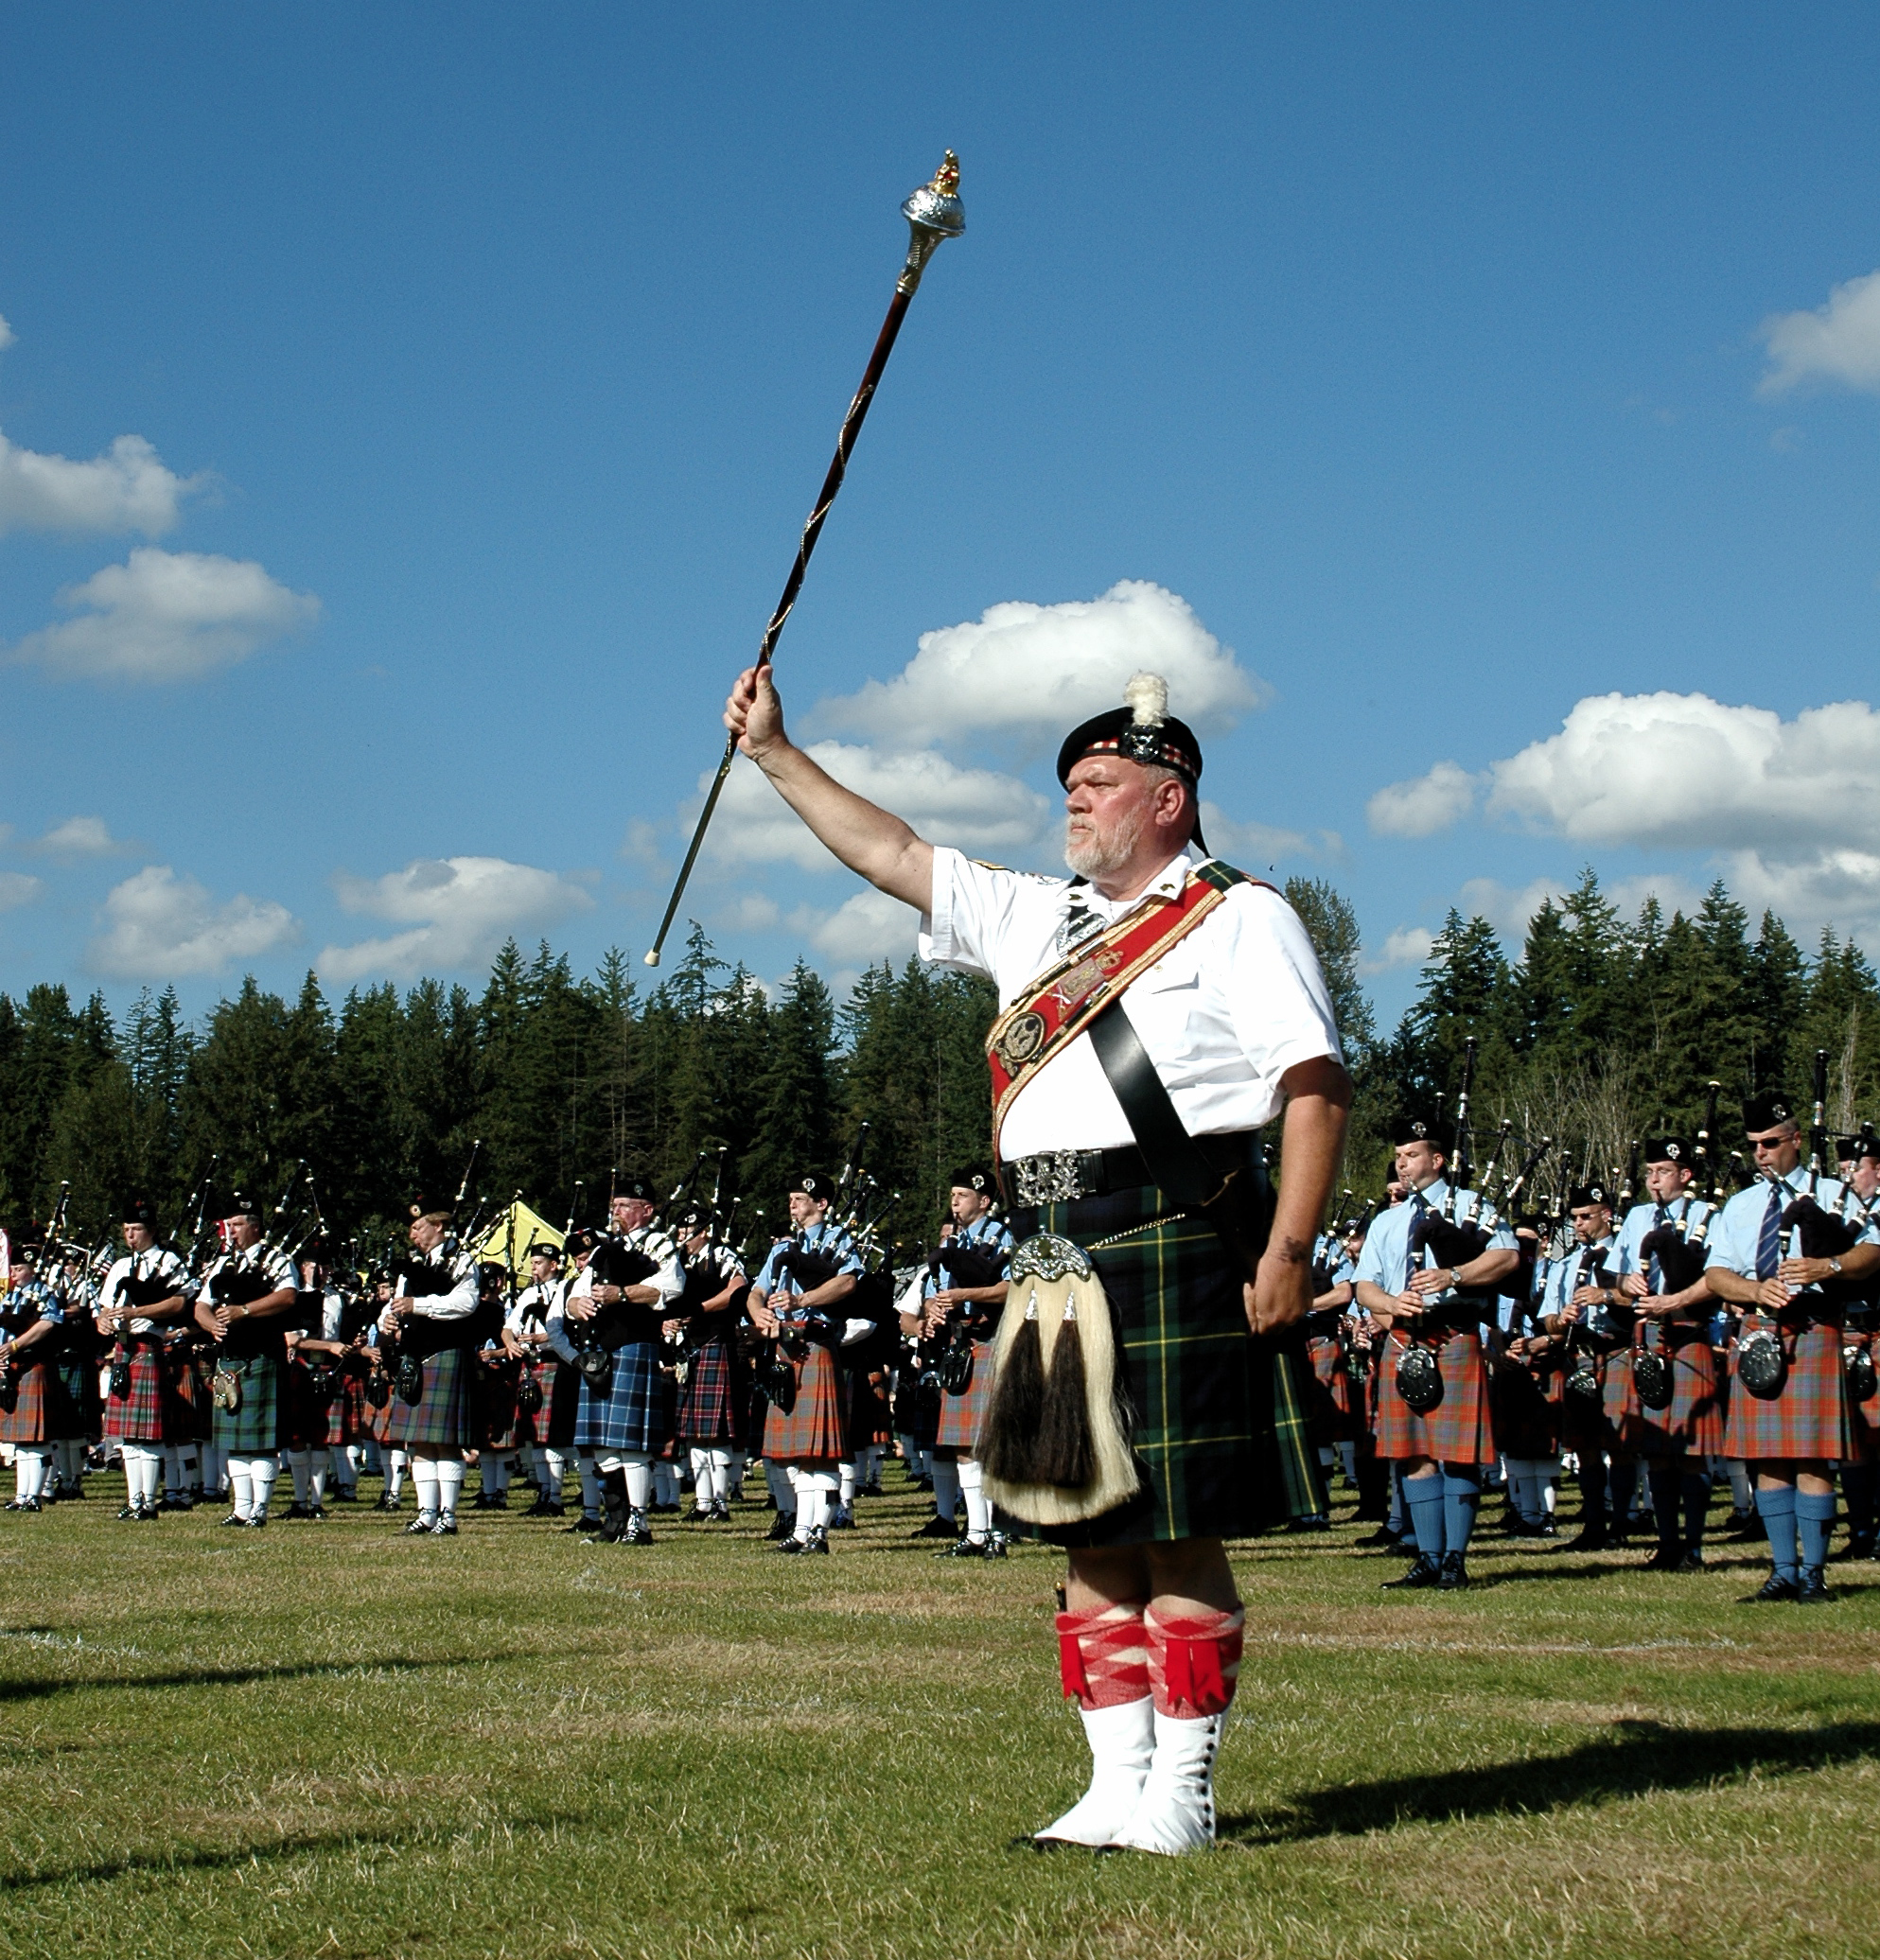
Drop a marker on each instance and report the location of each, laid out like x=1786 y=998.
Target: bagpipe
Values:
x=1680 y=1247
x=946 y=1360
x=415 y=1338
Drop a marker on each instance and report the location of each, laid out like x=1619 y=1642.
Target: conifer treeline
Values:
x=1601 y=1029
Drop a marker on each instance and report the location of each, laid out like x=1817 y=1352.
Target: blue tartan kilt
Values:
x=630 y=1418
x=146 y=1411
x=1219 y=1418
x=714 y=1395
x=257 y=1428
x=440 y=1419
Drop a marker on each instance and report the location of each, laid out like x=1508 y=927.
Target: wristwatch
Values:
x=1834 y=1266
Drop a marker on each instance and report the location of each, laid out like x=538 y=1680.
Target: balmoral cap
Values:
x=1769 y=1111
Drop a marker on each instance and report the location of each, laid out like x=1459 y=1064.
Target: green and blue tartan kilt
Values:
x=627 y=1420
x=257 y=1427
x=1693 y=1425
x=1457 y=1430
x=957 y=1423
x=497 y=1417
x=1217 y=1418
x=1524 y=1409
x=815 y=1429
x=440 y=1418
x=715 y=1393
x=1863 y=1417
x=146 y=1411
x=1808 y=1419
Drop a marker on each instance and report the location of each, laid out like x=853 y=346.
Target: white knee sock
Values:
x=28 y=1471
x=665 y=1483
x=979 y=1510
x=1742 y=1492
x=704 y=1480
x=814 y=1490
x=240 y=1489
x=496 y=1475
x=781 y=1488
x=846 y=1491
x=946 y=1489
x=638 y=1481
x=262 y=1471
x=394 y=1478
x=143 y=1466
x=552 y=1468
x=71 y=1457
x=424 y=1481
x=720 y=1473
x=449 y=1484
x=300 y=1463
x=591 y=1486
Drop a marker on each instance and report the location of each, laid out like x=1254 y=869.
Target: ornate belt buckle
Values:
x=1051 y=1177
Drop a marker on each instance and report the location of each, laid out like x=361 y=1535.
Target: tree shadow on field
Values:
x=1641 y=1757
x=235 y=1677
x=158 y=1864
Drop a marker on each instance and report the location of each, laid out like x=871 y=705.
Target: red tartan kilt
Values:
x=376 y=1423
x=1863 y=1417
x=957 y=1425
x=495 y=1414
x=1329 y=1412
x=1457 y=1429
x=346 y=1418
x=1808 y=1419
x=712 y=1407
x=146 y=1413
x=1524 y=1410
x=813 y=1431
x=1693 y=1423
x=532 y=1426
x=29 y=1419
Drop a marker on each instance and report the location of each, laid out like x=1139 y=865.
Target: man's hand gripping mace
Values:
x=934 y=213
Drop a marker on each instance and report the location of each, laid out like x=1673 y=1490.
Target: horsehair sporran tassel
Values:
x=1008 y=1437
x=1066 y=1454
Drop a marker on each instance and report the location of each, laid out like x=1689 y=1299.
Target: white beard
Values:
x=1093 y=855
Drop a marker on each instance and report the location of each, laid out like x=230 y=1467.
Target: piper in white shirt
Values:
x=1237 y=1026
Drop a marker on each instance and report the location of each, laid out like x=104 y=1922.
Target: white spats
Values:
x=1176 y=1809
x=1122 y=1741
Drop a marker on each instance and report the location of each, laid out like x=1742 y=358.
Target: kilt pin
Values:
x=440 y=1417
x=1808 y=1419
x=1457 y=1430
x=715 y=1393
x=815 y=1429
x=629 y=1417
x=1692 y=1423
x=1219 y=1417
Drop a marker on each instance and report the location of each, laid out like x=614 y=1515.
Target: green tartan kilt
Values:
x=1219 y=1417
x=254 y=1429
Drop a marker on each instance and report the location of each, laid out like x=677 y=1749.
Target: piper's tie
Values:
x=1769 y=1240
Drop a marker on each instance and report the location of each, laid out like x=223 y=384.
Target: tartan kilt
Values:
x=1809 y=1419
x=1524 y=1409
x=308 y=1424
x=1331 y=1394
x=497 y=1420
x=1457 y=1430
x=532 y=1426
x=628 y=1419
x=376 y=1423
x=346 y=1420
x=815 y=1429
x=1694 y=1422
x=1863 y=1417
x=714 y=1397
x=145 y=1412
x=257 y=1428
x=1217 y=1417
x=32 y=1415
x=440 y=1418
x=956 y=1426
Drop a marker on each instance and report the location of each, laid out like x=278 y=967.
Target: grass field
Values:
x=333 y=1739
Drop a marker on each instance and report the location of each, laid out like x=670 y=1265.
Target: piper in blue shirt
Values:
x=1794 y=1435
x=1428 y=1274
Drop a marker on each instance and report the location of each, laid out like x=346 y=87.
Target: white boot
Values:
x=1176 y=1811
x=1122 y=1740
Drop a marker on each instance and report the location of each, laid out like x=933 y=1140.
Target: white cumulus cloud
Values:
x=160 y=927
x=1408 y=946
x=79 y=837
x=1424 y=805
x=7 y=336
x=128 y=489
x=1036 y=671
x=978 y=810
x=166 y=616
x=17 y=889
x=458 y=911
x=1684 y=770
x=1838 y=343
x=862 y=931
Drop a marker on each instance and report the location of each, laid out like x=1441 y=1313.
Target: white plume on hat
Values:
x=1147 y=697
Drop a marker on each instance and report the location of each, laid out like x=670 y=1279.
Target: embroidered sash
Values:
x=1053 y=1009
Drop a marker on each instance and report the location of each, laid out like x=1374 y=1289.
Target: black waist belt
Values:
x=1057 y=1177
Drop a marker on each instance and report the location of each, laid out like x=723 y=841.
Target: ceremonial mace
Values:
x=934 y=213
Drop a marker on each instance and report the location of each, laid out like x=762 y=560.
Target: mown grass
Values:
x=333 y=1739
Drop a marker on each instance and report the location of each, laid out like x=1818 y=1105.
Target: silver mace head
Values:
x=934 y=213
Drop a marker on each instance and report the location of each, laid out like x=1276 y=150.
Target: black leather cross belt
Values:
x=1059 y=1177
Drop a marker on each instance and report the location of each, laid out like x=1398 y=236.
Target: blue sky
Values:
x=1413 y=379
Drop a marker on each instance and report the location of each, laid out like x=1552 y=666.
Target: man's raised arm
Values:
x=868 y=840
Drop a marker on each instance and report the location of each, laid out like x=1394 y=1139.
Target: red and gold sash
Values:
x=1057 y=1006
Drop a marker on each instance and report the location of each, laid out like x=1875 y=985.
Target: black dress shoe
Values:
x=586 y=1522
x=128 y=1514
x=1455 y=1573
x=781 y=1527
x=637 y=1530
x=1775 y=1587
x=1591 y=1538
x=1382 y=1539
x=1813 y=1590
x=938 y=1528
x=1424 y=1573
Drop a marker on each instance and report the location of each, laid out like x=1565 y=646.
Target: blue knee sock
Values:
x=1697 y=1488
x=1461 y=1494
x=1423 y=1498
x=1815 y=1521
x=1776 y=1508
x=1399 y=1518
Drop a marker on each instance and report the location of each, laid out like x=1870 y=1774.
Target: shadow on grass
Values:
x=235 y=1677
x=160 y=1863
x=1641 y=1757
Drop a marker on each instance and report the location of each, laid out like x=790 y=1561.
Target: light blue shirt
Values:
x=829 y=1240
x=1386 y=1259
x=988 y=1234
x=1687 y=1213
x=1564 y=1279
x=1733 y=1237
